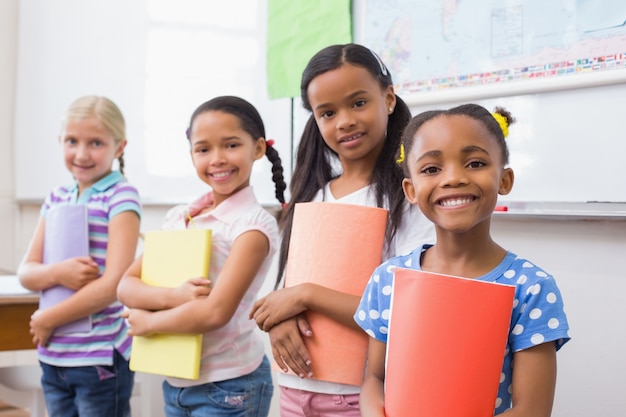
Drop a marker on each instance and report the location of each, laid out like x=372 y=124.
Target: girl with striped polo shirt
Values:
x=87 y=373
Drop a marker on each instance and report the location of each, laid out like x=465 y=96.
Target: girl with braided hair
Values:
x=226 y=135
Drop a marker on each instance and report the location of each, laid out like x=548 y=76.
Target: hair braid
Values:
x=277 y=173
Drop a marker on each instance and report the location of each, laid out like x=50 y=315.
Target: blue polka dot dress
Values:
x=537 y=317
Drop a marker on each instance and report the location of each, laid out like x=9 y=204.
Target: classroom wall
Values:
x=582 y=254
x=8 y=208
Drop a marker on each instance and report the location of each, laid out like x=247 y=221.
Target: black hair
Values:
x=250 y=121
x=472 y=110
x=315 y=160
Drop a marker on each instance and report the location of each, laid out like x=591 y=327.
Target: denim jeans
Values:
x=246 y=396
x=88 y=391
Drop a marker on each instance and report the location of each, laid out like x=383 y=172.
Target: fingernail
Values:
x=308 y=362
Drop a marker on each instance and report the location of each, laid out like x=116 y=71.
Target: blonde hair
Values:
x=106 y=111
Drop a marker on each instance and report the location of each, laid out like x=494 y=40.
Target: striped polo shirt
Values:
x=105 y=199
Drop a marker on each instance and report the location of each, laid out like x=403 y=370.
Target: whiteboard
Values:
x=158 y=61
x=568 y=144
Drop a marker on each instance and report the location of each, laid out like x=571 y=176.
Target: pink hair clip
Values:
x=270 y=142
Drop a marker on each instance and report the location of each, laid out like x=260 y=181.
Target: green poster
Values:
x=296 y=30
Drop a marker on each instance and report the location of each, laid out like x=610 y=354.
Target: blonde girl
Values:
x=87 y=374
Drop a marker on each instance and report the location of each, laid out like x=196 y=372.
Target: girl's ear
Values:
x=390 y=99
x=259 y=150
x=120 y=148
x=506 y=181
x=409 y=191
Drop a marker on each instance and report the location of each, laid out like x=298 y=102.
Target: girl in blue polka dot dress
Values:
x=455 y=166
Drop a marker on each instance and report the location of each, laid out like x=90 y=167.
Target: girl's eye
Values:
x=96 y=143
x=327 y=114
x=430 y=170
x=360 y=103
x=476 y=164
x=232 y=145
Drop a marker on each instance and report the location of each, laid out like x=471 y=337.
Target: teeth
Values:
x=220 y=174
x=455 y=202
x=352 y=137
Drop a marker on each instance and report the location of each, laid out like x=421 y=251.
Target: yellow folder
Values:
x=170 y=258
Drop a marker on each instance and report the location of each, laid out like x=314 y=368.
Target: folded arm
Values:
x=98 y=293
x=202 y=315
x=285 y=303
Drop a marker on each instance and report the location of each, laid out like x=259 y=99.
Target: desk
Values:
x=16 y=307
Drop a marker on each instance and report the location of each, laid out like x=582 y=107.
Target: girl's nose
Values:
x=454 y=176
x=218 y=157
x=345 y=119
x=82 y=152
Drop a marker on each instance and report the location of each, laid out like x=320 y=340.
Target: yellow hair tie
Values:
x=401 y=157
x=504 y=125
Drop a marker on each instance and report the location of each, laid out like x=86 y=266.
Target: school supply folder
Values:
x=446 y=343
x=337 y=246
x=171 y=257
x=66 y=235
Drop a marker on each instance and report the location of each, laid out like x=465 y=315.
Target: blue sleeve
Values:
x=372 y=315
x=539 y=316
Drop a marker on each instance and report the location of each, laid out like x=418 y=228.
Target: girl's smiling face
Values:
x=351 y=111
x=89 y=150
x=456 y=172
x=223 y=153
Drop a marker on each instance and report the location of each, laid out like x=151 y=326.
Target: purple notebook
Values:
x=66 y=236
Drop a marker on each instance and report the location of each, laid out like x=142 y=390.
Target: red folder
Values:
x=446 y=344
x=337 y=246
x=66 y=236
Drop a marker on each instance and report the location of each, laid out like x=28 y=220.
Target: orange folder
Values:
x=337 y=246
x=446 y=344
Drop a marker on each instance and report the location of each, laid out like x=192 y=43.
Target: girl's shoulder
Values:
x=174 y=215
x=62 y=194
x=257 y=217
x=524 y=274
x=118 y=197
x=514 y=262
x=408 y=260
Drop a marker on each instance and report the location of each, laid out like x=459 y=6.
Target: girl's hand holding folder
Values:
x=192 y=289
x=278 y=306
x=138 y=322
x=78 y=272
